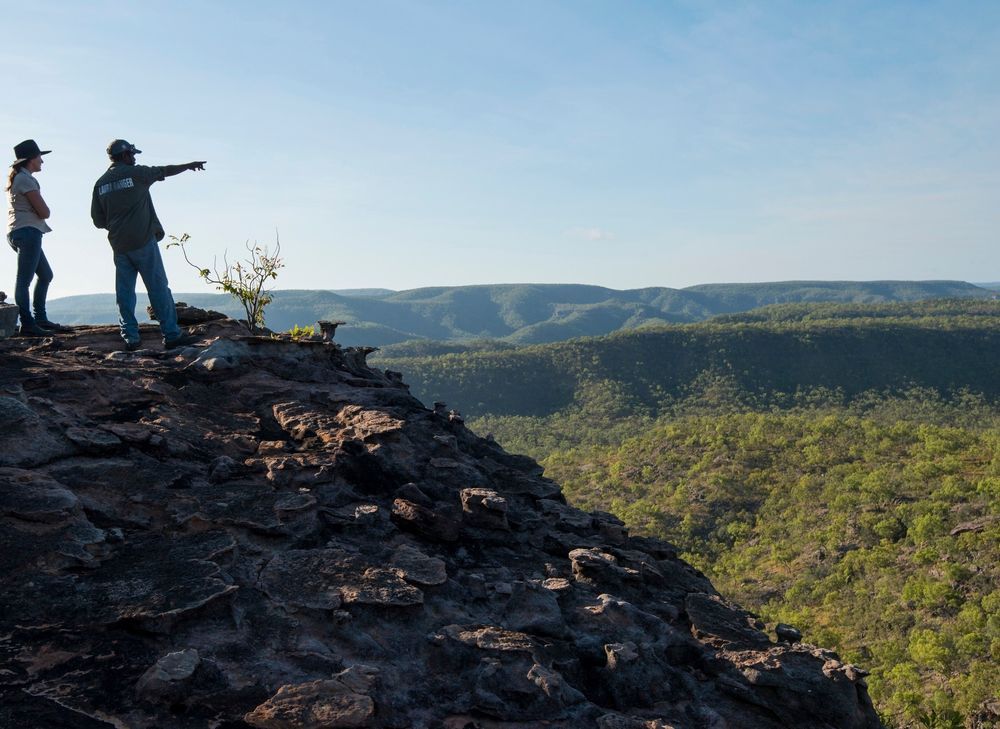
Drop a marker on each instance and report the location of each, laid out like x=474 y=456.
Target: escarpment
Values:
x=271 y=534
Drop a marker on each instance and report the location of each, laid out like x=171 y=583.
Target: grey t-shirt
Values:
x=122 y=204
x=20 y=214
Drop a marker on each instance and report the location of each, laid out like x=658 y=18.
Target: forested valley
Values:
x=831 y=466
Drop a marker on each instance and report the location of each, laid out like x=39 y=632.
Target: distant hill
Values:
x=524 y=313
x=364 y=292
x=769 y=356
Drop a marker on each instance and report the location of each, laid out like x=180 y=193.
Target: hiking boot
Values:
x=184 y=340
x=32 y=330
x=132 y=346
x=52 y=326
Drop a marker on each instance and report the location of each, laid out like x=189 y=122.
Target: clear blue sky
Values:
x=404 y=144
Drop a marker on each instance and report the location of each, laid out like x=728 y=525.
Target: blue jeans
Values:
x=145 y=262
x=31 y=262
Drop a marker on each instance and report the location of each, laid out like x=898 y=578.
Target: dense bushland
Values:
x=769 y=358
x=873 y=528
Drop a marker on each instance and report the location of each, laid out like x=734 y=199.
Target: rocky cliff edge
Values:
x=265 y=533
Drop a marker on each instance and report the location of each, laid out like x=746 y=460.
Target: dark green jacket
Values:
x=122 y=204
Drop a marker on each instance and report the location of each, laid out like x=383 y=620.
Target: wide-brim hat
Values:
x=28 y=149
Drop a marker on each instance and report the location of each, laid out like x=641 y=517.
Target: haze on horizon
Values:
x=399 y=144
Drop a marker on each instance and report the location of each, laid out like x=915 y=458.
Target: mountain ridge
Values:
x=523 y=313
x=780 y=351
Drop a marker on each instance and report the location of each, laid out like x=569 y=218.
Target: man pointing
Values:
x=122 y=204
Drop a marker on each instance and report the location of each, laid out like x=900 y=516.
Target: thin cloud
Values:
x=592 y=234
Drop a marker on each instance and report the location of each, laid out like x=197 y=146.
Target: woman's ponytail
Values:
x=13 y=173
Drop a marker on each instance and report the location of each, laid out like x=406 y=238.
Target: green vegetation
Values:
x=942 y=312
x=777 y=358
x=245 y=281
x=877 y=536
x=431 y=348
x=297 y=332
x=836 y=467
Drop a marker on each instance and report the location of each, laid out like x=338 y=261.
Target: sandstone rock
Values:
x=252 y=505
x=31 y=496
x=339 y=702
x=305 y=578
x=447 y=442
x=145 y=579
x=554 y=685
x=8 y=318
x=221 y=469
x=412 y=492
x=624 y=675
x=381 y=587
x=567 y=517
x=489 y=637
x=169 y=677
x=529 y=485
x=714 y=621
x=221 y=355
x=620 y=654
x=557 y=584
x=93 y=440
x=600 y=568
x=132 y=433
x=323 y=579
x=612 y=528
x=415 y=566
x=25 y=439
x=510 y=687
x=189 y=315
x=48 y=538
x=328 y=329
x=617 y=721
x=791 y=678
x=421 y=520
x=15 y=412
x=484 y=508
x=533 y=609
x=787 y=633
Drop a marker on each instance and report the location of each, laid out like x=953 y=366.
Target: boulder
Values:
x=342 y=701
x=484 y=508
x=8 y=319
x=414 y=566
x=169 y=678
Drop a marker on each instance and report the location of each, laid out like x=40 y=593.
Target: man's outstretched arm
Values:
x=171 y=170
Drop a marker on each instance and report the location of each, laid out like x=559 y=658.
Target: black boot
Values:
x=51 y=325
x=32 y=330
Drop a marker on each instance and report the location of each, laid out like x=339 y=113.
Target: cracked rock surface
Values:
x=265 y=533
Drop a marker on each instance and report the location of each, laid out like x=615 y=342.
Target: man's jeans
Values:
x=31 y=261
x=145 y=262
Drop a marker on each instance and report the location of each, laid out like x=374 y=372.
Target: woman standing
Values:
x=25 y=227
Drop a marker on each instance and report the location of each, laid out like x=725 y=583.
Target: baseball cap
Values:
x=118 y=146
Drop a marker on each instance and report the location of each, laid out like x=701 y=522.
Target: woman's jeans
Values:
x=145 y=262
x=31 y=262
